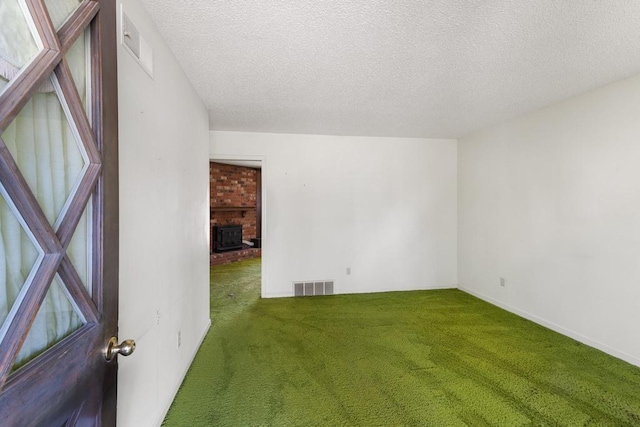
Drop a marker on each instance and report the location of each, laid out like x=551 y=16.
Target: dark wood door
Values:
x=58 y=212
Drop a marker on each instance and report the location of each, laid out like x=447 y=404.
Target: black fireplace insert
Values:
x=226 y=237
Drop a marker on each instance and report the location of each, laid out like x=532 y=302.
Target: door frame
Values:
x=263 y=166
x=108 y=186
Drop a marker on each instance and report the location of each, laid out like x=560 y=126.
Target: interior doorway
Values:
x=237 y=228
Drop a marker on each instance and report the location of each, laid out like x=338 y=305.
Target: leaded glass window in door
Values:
x=49 y=168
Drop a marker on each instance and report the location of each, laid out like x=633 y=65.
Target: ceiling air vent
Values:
x=313 y=288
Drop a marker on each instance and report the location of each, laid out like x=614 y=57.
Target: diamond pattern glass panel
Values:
x=56 y=319
x=18 y=255
x=77 y=59
x=79 y=249
x=17 y=44
x=46 y=150
x=60 y=10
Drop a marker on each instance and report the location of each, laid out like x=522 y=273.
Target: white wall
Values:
x=551 y=202
x=164 y=280
x=385 y=207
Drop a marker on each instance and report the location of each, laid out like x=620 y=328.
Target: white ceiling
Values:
x=414 y=68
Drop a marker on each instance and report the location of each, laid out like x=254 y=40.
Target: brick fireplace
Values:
x=235 y=200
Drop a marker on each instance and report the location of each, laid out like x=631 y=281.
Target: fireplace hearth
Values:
x=226 y=237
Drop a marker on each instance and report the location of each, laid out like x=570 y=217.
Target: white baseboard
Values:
x=167 y=404
x=410 y=289
x=368 y=291
x=557 y=328
x=277 y=295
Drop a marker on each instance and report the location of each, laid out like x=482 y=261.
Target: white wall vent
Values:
x=313 y=288
x=135 y=44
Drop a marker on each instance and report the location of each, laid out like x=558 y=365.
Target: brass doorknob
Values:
x=125 y=348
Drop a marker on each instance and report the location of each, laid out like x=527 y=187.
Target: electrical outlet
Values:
x=502 y=282
x=348 y=271
x=179 y=339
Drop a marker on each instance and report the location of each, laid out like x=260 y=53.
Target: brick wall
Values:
x=234 y=186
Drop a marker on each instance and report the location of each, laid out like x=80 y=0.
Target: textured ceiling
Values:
x=416 y=68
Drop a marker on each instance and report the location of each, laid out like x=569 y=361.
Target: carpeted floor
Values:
x=429 y=358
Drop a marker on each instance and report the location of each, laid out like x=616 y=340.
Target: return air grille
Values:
x=307 y=289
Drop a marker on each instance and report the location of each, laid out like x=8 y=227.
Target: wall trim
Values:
x=167 y=404
x=556 y=328
x=373 y=291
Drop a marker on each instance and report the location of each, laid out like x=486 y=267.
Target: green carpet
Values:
x=429 y=358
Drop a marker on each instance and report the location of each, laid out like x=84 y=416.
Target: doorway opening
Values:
x=237 y=210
